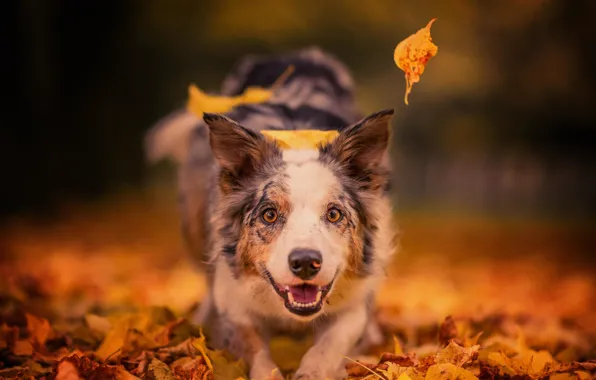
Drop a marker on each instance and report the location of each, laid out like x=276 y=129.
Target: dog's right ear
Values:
x=238 y=150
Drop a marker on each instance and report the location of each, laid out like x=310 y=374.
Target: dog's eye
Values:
x=269 y=216
x=333 y=215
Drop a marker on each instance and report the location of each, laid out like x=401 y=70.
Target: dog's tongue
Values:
x=304 y=293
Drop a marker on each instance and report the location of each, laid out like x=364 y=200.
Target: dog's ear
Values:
x=238 y=150
x=362 y=147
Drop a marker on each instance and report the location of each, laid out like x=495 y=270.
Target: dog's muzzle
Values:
x=304 y=299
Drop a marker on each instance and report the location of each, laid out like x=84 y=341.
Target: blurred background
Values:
x=502 y=120
x=495 y=156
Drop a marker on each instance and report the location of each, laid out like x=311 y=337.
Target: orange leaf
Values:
x=39 y=328
x=412 y=54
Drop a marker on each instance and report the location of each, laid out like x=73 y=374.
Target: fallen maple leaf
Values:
x=412 y=54
x=456 y=354
x=448 y=371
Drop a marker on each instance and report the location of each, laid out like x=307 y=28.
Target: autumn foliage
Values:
x=81 y=300
x=412 y=54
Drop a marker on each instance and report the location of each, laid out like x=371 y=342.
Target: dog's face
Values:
x=299 y=219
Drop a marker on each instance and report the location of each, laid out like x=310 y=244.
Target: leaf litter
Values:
x=80 y=299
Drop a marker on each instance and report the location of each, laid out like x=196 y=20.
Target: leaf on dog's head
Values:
x=303 y=139
x=412 y=54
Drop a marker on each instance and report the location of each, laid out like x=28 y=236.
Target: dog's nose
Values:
x=305 y=263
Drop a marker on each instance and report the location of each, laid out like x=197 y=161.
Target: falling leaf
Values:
x=412 y=54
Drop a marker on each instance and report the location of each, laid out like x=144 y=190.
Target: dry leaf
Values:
x=447 y=331
x=199 y=102
x=412 y=54
x=23 y=347
x=397 y=348
x=457 y=355
x=39 y=329
x=304 y=139
x=448 y=371
x=160 y=371
x=67 y=371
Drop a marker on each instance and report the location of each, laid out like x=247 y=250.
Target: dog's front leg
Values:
x=245 y=341
x=324 y=359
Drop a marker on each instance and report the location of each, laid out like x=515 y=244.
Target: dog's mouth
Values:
x=304 y=299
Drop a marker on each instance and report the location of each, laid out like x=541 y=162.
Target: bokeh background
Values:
x=495 y=156
x=502 y=121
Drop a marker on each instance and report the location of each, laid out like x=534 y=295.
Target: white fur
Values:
x=310 y=185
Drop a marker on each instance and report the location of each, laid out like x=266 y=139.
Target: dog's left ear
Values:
x=362 y=146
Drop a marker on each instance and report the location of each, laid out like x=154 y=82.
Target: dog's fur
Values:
x=226 y=188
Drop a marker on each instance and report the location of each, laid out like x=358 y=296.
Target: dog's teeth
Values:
x=291 y=298
x=319 y=295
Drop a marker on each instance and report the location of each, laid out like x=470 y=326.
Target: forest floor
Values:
x=106 y=291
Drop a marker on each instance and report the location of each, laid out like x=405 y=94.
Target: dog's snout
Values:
x=305 y=263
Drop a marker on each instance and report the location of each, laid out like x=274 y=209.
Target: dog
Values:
x=295 y=240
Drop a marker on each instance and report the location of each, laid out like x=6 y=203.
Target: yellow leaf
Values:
x=199 y=102
x=448 y=371
x=134 y=330
x=412 y=54
x=200 y=344
x=398 y=350
x=456 y=354
x=39 y=328
x=535 y=361
x=303 y=139
x=114 y=340
x=396 y=372
x=505 y=365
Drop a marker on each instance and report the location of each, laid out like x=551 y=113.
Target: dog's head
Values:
x=299 y=219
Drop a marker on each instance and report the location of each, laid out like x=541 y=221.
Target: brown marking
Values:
x=360 y=151
x=239 y=151
x=256 y=239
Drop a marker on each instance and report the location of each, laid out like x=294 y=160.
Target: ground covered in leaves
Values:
x=106 y=292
